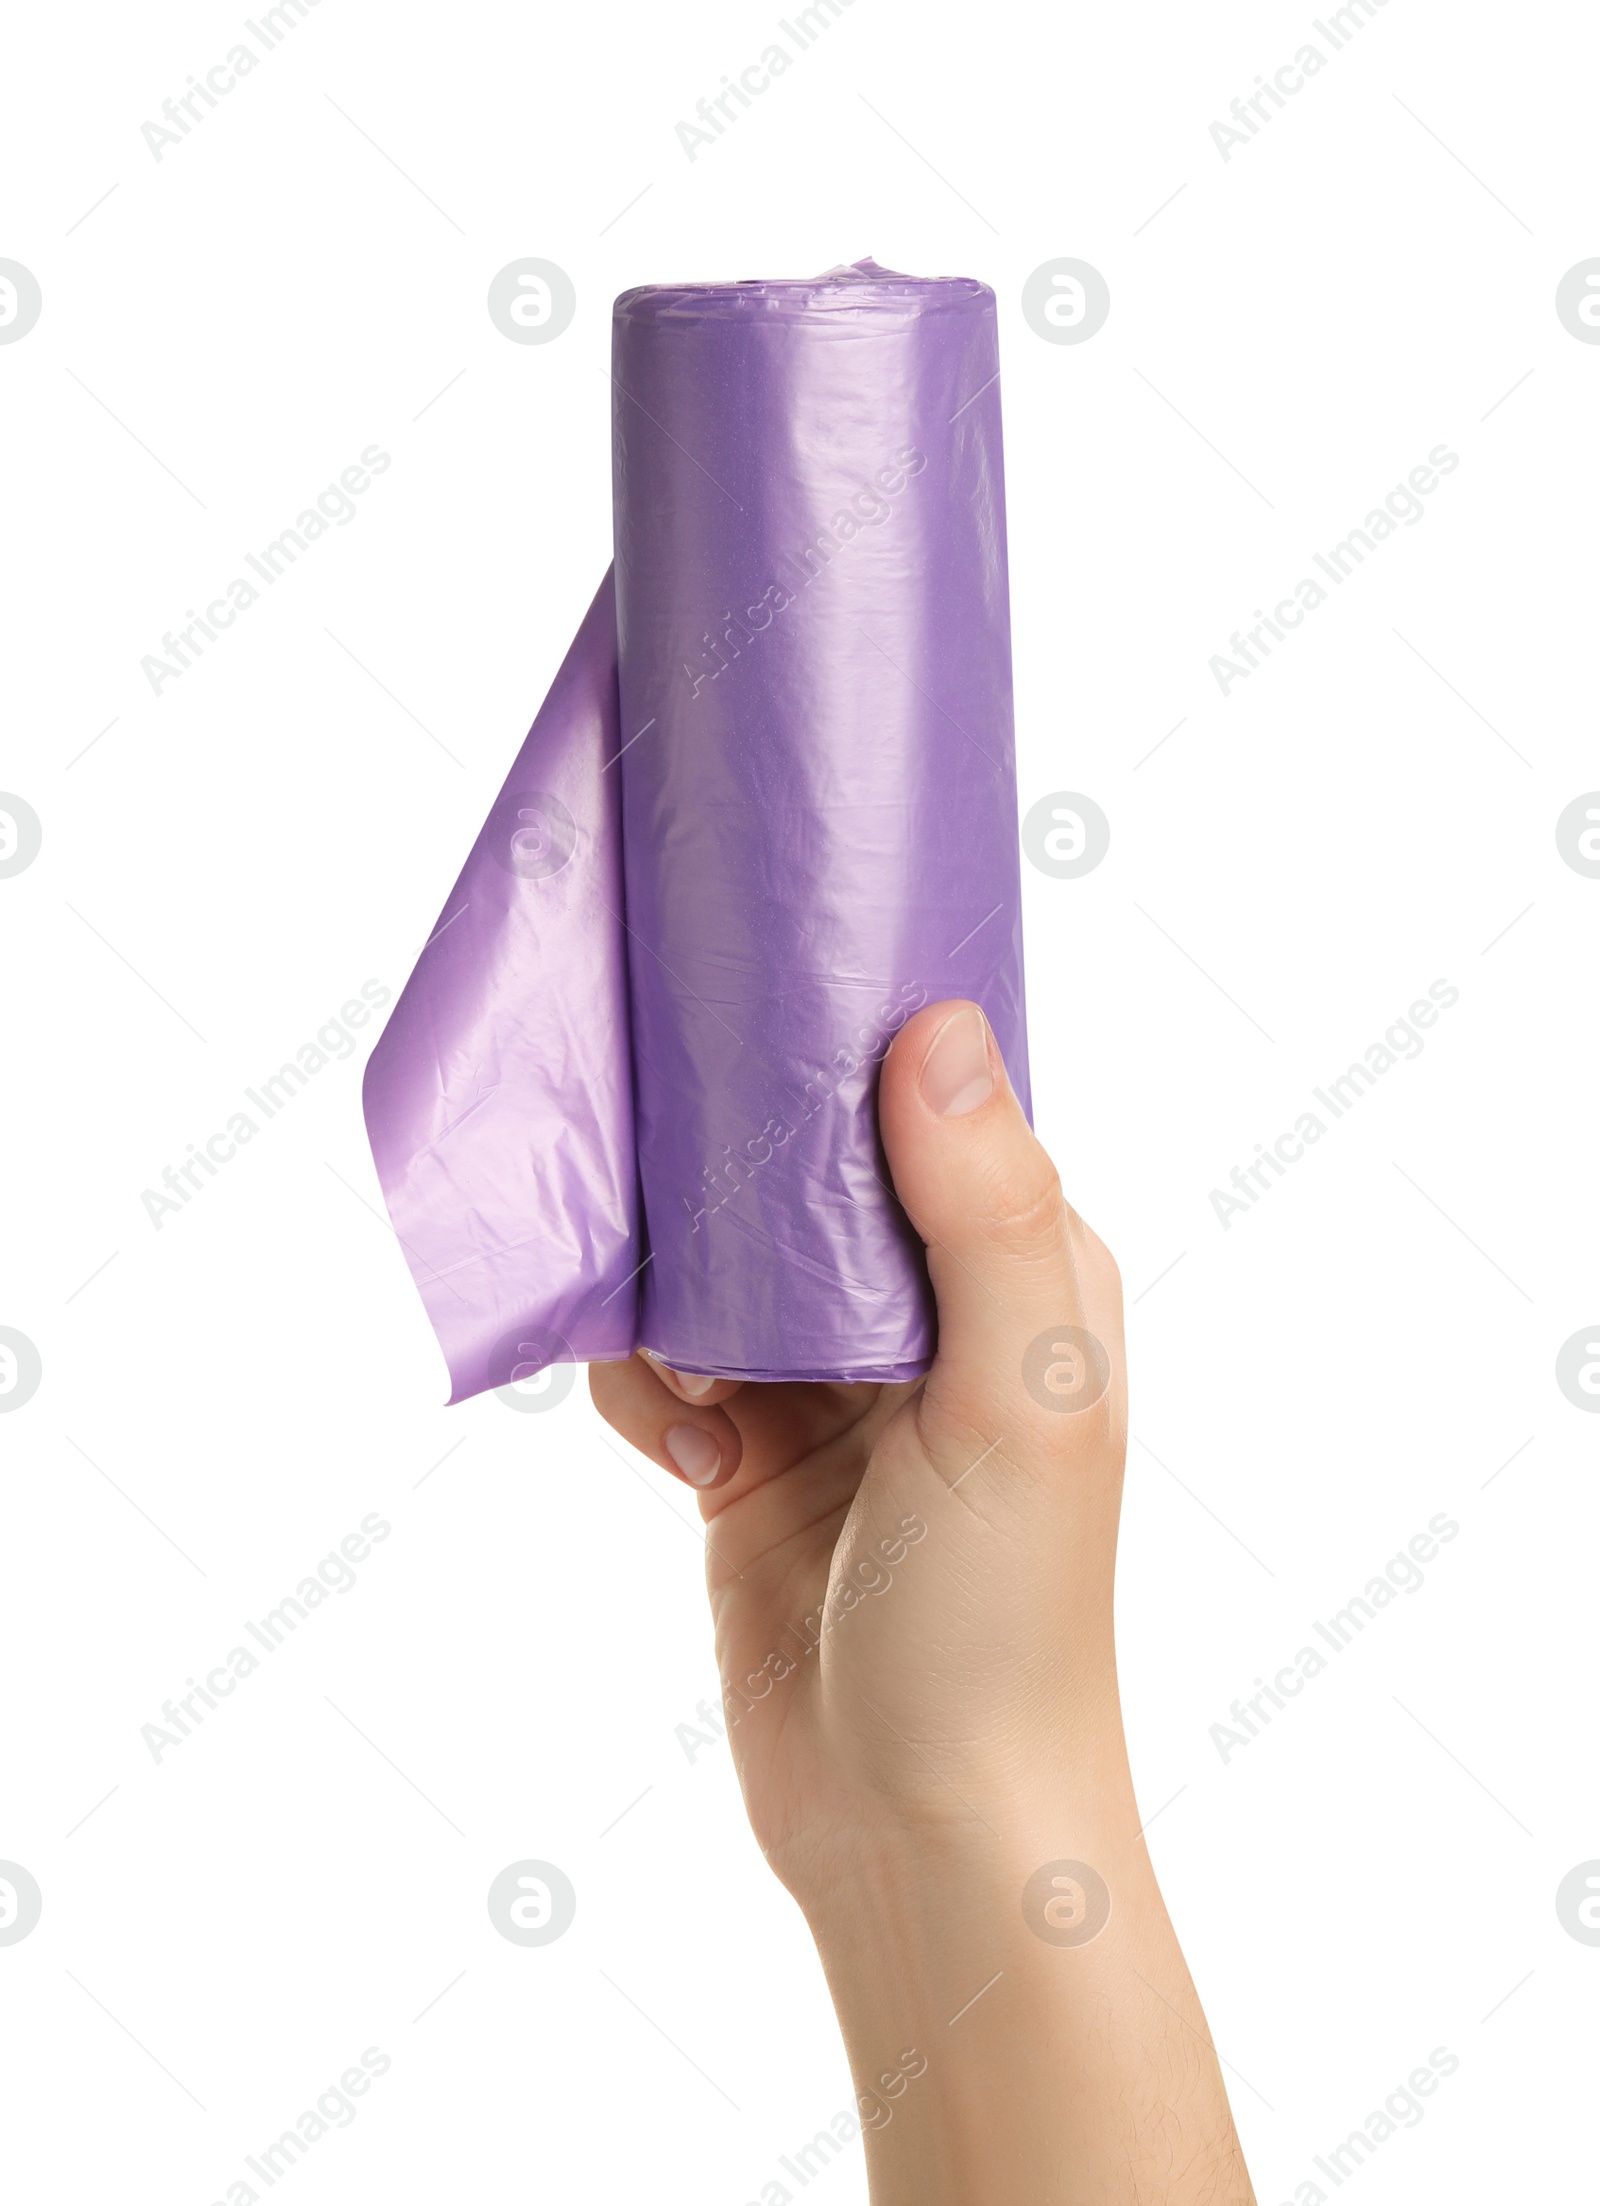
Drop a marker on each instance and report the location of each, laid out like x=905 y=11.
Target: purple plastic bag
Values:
x=628 y=1096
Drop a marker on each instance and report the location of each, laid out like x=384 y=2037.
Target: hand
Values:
x=912 y=1589
x=946 y=1548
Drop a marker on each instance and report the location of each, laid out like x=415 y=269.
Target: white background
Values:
x=1371 y=811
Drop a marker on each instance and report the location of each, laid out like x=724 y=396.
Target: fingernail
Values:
x=956 y=1076
x=694 y=1453
x=691 y=1382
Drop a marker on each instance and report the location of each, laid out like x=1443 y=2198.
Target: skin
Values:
x=912 y=1591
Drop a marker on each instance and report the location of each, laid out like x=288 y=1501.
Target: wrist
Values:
x=933 y=1898
x=977 y=1817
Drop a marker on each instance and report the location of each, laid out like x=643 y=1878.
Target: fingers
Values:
x=688 y=1435
x=976 y=1183
x=691 y=1386
x=1030 y=1319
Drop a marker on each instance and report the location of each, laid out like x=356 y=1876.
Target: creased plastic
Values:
x=767 y=810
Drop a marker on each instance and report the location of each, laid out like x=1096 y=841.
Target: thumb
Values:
x=1030 y=1316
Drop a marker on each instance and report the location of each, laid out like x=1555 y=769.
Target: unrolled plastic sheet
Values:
x=767 y=810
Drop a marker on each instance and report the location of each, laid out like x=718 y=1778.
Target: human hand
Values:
x=912 y=1584
x=912 y=1591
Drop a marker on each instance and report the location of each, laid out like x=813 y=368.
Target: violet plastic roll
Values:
x=629 y=1095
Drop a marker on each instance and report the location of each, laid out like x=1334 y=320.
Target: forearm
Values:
x=1017 y=2055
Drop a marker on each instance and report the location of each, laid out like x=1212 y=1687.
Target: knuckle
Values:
x=1027 y=1215
x=608 y=1390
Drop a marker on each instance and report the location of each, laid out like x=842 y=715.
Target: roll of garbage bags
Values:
x=767 y=810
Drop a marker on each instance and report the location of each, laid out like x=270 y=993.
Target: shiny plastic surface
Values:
x=768 y=809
